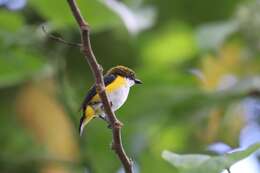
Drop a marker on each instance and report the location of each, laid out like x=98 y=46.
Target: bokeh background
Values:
x=198 y=60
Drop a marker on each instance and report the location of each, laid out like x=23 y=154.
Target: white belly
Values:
x=118 y=97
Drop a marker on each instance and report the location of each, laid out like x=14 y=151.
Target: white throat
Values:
x=130 y=82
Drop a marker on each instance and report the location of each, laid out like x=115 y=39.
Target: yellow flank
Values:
x=89 y=115
x=89 y=112
x=117 y=83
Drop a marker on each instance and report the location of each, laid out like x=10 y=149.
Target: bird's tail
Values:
x=88 y=115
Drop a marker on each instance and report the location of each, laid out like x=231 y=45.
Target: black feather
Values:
x=81 y=122
x=92 y=92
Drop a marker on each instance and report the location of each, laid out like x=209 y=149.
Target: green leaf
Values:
x=187 y=161
x=18 y=65
x=10 y=21
x=58 y=13
x=199 y=163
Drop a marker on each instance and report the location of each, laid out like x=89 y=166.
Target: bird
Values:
x=118 y=81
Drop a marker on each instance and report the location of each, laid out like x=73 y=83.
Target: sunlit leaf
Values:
x=173 y=44
x=219 y=72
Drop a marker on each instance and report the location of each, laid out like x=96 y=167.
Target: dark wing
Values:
x=92 y=92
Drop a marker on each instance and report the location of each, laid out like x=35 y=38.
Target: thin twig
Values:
x=59 y=39
x=97 y=73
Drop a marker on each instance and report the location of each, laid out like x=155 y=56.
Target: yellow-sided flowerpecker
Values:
x=118 y=81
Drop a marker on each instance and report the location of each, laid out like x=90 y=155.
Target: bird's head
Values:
x=124 y=72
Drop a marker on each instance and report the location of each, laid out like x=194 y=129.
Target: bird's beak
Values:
x=138 y=81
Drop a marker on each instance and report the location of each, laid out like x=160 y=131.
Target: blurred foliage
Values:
x=199 y=60
x=62 y=17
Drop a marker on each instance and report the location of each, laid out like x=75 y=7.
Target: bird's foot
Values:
x=118 y=124
x=103 y=107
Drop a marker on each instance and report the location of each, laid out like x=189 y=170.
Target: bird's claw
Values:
x=118 y=124
x=103 y=107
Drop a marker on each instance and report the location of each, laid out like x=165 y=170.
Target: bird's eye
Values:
x=132 y=77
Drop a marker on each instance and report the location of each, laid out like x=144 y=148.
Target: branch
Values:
x=97 y=73
x=59 y=39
